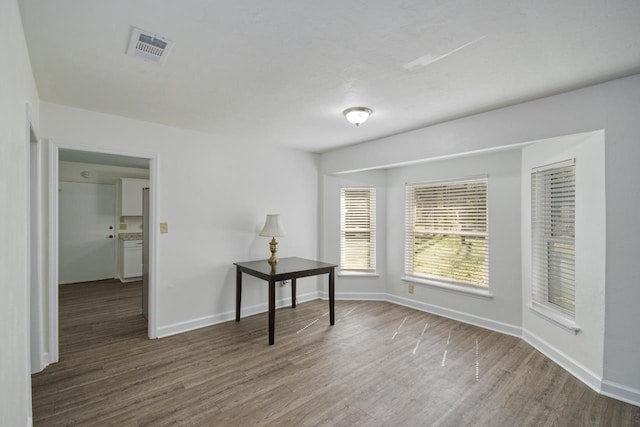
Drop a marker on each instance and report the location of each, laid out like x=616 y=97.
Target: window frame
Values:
x=546 y=219
x=409 y=238
x=348 y=268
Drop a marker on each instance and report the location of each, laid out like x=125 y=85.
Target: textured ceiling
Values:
x=282 y=71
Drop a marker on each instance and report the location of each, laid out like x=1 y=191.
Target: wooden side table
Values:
x=286 y=269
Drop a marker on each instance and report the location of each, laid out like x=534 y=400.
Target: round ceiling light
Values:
x=357 y=115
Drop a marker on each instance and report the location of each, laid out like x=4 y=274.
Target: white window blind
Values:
x=553 y=193
x=358 y=229
x=446 y=231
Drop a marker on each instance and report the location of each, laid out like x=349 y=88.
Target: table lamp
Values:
x=273 y=228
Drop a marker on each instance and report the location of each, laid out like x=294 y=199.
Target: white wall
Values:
x=622 y=177
x=502 y=311
x=580 y=352
x=17 y=88
x=611 y=106
x=214 y=194
x=354 y=286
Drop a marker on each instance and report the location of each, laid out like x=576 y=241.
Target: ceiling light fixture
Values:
x=357 y=115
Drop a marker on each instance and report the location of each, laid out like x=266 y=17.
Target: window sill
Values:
x=553 y=317
x=358 y=274
x=468 y=290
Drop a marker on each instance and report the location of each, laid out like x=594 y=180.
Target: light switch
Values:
x=164 y=227
x=123 y=226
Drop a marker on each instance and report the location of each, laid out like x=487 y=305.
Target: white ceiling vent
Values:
x=149 y=46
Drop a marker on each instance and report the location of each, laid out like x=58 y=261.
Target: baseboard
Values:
x=482 y=322
x=44 y=361
x=567 y=363
x=493 y=325
x=190 y=325
x=202 y=322
x=621 y=392
x=356 y=296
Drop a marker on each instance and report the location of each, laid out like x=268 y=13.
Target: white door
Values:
x=86 y=231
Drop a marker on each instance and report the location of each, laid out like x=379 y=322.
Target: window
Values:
x=446 y=233
x=553 y=193
x=358 y=229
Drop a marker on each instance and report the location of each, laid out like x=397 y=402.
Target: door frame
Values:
x=35 y=303
x=54 y=149
x=36 y=358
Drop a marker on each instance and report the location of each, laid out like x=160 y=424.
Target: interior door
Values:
x=86 y=231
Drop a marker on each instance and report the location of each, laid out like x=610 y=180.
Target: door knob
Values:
x=111 y=236
x=111 y=227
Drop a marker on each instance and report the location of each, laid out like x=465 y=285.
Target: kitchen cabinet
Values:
x=130 y=260
x=131 y=196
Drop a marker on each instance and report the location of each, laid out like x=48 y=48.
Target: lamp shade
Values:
x=273 y=226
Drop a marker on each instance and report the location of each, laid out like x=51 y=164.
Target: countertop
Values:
x=130 y=236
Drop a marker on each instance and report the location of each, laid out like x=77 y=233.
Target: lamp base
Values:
x=273 y=247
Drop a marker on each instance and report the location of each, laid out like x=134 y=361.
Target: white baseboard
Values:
x=356 y=296
x=483 y=322
x=44 y=361
x=189 y=325
x=573 y=367
x=621 y=392
x=493 y=325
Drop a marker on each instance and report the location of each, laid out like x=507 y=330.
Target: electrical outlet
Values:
x=410 y=289
x=164 y=227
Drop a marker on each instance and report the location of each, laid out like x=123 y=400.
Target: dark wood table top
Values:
x=285 y=268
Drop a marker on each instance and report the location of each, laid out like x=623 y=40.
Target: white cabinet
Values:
x=131 y=196
x=130 y=260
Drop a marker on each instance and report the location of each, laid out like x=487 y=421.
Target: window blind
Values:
x=358 y=228
x=446 y=231
x=553 y=192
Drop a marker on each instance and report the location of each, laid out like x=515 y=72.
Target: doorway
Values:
x=115 y=158
x=86 y=231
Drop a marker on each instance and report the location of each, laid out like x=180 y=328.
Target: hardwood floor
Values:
x=380 y=365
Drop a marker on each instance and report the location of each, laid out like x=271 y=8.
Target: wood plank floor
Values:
x=380 y=365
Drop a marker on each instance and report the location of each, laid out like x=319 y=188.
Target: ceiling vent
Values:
x=149 y=46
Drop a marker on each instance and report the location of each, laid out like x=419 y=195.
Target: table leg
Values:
x=272 y=311
x=332 y=296
x=238 y=292
x=293 y=293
